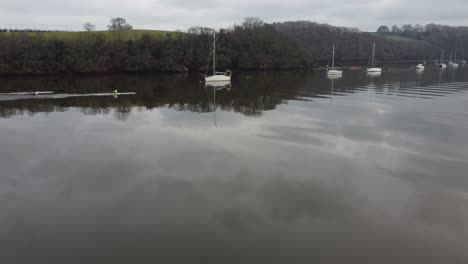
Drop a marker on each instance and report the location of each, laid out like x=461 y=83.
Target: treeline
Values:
x=399 y=43
x=252 y=45
x=27 y=30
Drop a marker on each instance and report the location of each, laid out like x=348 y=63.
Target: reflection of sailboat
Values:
x=217 y=76
x=373 y=75
x=419 y=72
x=334 y=71
x=374 y=69
x=215 y=106
x=219 y=84
x=332 y=78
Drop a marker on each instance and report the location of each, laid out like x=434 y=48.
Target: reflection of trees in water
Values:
x=122 y=112
x=182 y=93
x=251 y=94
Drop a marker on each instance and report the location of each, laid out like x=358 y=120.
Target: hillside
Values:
x=394 y=37
x=252 y=45
x=241 y=47
x=108 y=35
x=355 y=46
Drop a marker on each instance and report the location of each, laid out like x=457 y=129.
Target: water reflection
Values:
x=266 y=171
x=253 y=93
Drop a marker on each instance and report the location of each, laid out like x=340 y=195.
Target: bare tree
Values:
x=89 y=27
x=252 y=23
x=119 y=25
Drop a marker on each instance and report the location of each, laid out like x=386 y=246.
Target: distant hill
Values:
x=355 y=45
x=249 y=46
x=133 y=34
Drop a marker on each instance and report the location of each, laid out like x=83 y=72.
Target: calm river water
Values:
x=282 y=167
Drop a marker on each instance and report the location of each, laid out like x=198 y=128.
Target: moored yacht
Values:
x=334 y=71
x=217 y=76
x=374 y=69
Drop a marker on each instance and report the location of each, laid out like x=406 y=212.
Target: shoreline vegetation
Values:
x=252 y=45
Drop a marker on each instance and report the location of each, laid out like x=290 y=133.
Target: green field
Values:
x=397 y=38
x=128 y=35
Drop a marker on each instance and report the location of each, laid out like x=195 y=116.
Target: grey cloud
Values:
x=181 y=14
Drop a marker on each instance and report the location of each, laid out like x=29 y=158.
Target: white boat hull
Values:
x=420 y=67
x=442 y=65
x=334 y=72
x=217 y=78
x=374 y=70
x=219 y=84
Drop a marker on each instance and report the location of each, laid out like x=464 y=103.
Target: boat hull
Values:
x=374 y=70
x=218 y=78
x=334 y=72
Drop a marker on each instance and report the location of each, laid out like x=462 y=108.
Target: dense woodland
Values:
x=251 y=45
x=405 y=43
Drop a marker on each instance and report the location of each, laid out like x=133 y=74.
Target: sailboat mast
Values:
x=373 y=56
x=333 y=61
x=456 y=50
x=214 y=53
x=442 y=56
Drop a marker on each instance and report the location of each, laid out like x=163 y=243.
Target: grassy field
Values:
x=396 y=38
x=128 y=35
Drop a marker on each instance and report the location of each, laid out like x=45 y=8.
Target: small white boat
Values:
x=451 y=63
x=219 y=84
x=217 y=76
x=334 y=71
x=463 y=62
x=373 y=68
x=455 y=65
x=420 y=67
x=441 y=63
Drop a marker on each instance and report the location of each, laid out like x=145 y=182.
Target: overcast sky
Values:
x=182 y=14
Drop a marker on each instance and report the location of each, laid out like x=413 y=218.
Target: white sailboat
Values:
x=334 y=71
x=463 y=58
x=441 y=64
x=374 y=69
x=454 y=64
x=420 y=67
x=217 y=76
